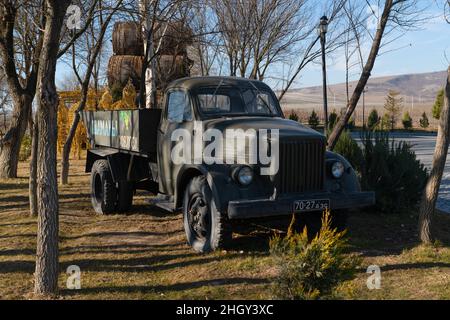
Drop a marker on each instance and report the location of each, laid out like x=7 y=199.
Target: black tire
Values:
x=125 y=196
x=103 y=190
x=206 y=228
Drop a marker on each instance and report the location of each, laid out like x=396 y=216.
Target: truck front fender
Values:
x=217 y=181
x=350 y=181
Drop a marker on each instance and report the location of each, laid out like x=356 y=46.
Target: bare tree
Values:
x=153 y=15
x=431 y=192
x=308 y=50
x=5 y=102
x=69 y=83
x=206 y=45
x=21 y=25
x=78 y=57
x=447 y=11
x=93 y=53
x=353 y=43
x=428 y=204
x=47 y=267
x=67 y=41
x=256 y=34
x=32 y=186
x=236 y=32
x=20 y=47
x=396 y=14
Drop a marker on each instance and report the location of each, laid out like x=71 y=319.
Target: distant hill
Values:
x=418 y=90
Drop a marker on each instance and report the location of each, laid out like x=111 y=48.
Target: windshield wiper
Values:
x=215 y=92
x=260 y=94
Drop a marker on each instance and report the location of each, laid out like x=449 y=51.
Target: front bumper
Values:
x=260 y=208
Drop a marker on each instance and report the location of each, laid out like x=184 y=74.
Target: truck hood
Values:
x=287 y=128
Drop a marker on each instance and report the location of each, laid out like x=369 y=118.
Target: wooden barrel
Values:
x=127 y=39
x=122 y=68
x=170 y=68
x=175 y=38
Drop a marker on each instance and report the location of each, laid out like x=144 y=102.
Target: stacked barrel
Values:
x=128 y=48
x=170 y=38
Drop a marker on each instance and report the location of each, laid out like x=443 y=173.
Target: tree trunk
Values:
x=33 y=171
x=351 y=106
x=145 y=84
x=11 y=142
x=47 y=268
x=65 y=161
x=431 y=192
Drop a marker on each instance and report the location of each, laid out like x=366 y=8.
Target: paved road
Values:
x=424 y=144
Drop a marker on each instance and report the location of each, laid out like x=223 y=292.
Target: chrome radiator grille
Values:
x=302 y=166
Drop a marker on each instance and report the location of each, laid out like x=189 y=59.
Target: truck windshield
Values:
x=232 y=101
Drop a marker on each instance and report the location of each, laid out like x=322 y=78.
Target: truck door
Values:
x=177 y=119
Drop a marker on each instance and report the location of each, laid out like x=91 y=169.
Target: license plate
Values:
x=311 y=205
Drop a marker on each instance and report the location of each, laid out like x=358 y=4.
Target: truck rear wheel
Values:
x=206 y=228
x=103 y=190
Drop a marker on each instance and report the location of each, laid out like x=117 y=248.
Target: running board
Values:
x=163 y=202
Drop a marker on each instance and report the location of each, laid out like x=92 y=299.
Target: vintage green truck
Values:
x=158 y=150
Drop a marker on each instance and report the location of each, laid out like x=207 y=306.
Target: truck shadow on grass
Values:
x=158 y=289
x=13 y=185
x=118 y=234
x=150 y=210
x=15 y=206
x=154 y=263
x=373 y=235
x=122 y=249
x=17 y=266
x=18 y=224
x=17 y=252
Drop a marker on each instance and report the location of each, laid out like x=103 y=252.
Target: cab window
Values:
x=178 y=107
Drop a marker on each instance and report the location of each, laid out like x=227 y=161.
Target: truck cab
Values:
x=220 y=150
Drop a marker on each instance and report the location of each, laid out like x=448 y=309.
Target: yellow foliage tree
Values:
x=65 y=119
x=63 y=127
x=106 y=101
x=128 y=100
x=80 y=138
x=129 y=95
x=65 y=115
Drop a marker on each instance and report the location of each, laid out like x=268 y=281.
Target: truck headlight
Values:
x=337 y=170
x=244 y=175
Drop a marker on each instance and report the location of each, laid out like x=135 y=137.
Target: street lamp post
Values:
x=322 y=31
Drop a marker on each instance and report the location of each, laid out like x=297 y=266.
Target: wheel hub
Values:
x=198 y=213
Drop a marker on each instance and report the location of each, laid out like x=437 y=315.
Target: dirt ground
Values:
x=143 y=255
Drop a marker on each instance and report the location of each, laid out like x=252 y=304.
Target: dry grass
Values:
x=409 y=270
x=143 y=255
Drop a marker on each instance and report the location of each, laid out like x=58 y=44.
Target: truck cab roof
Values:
x=194 y=83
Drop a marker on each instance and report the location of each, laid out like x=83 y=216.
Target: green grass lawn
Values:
x=143 y=255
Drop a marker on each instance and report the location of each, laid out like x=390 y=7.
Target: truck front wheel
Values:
x=103 y=190
x=206 y=228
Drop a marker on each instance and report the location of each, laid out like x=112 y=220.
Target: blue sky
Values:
x=419 y=51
